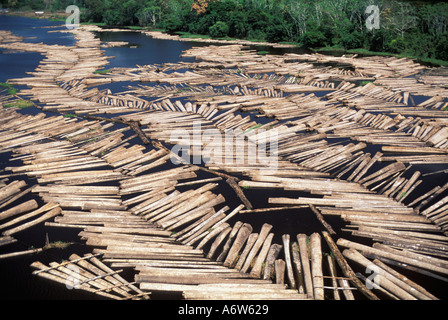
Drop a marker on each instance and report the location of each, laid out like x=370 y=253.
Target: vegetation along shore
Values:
x=414 y=29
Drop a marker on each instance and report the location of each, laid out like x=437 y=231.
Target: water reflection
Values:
x=143 y=50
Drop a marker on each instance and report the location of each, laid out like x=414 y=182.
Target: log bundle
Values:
x=90 y=274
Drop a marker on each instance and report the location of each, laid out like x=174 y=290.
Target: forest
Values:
x=413 y=28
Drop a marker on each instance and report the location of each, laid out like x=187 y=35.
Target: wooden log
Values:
x=132 y=230
x=279 y=271
x=381 y=278
x=261 y=258
x=272 y=255
x=201 y=230
x=387 y=293
x=213 y=233
x=11 y=189
x=20 y=253
x=194 y=214
x=438 y=262
x=111 y=236
x=259 y=210
x=24 y=217
x=431 y=195
x=241 y=237
x=79 y=190
x=322 y=220
x=332 y=269
x=403 y=258
x=191 y=226
x=346 y=269
x=297 y=267
x=78 y=276
x=219 y=239
x=17 y=196
x=61 y=278
x=316 y=266
x=305 y=262
x=422 y=292
x=231 y=214
x=247 y=248
x=229 y=241
x=135 y=126
x=289 y=269
x=256 y=247
x=108 y=281
x=424 y=196
x=411 y=189
x=19 y=209
x=156 y=194
x=182 y=206
x=428 y=211
x=433 y=240
x=240 y=193
x=7 y=240
x=193 y=279
x=424 y=150
x=372 y=161
x=345 y=285
x=146 y=208
x=50 y=214
x=382 y=173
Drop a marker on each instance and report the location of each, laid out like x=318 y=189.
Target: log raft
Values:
x=147 y=224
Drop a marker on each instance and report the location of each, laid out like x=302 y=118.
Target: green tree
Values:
x=95 y=10
x=219 y=29
x=149 y=15
x=314 y=37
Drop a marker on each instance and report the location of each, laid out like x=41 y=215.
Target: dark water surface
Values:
x=143 y=50
x=17 y=281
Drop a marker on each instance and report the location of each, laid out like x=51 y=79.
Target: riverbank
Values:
x=37 y=14
x=158 y=34
x=189 y=37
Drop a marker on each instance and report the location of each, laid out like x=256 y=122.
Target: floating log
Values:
x=11 y=189
x=386 y=280
x=297 y=267
x=321 y=219
x=247 y=249
x=264 y=232
x=289 y=269
x=279 y=267
x=240 y=239
x=19 y=209
x=332 y=269
x=403 y=258
x=50 y=214
x=20 y=253
x=348 y=272
x=316 y=266
x=7 y=240
x=305 y=262
x=261 y=258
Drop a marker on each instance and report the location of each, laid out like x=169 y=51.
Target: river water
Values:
x=17 y=281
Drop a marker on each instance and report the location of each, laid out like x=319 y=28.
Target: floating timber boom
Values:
x=103 y=165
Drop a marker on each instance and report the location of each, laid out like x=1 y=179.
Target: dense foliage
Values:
x=418 y=28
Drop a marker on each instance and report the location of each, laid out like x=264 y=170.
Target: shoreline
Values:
x=61 y=16
x=157 y=34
